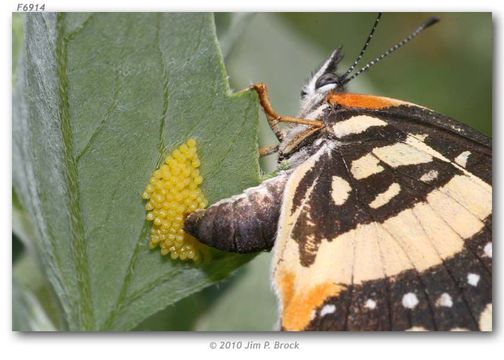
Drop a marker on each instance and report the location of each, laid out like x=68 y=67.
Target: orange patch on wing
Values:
x=362 y=101
x=298 y=308
x=287 y=288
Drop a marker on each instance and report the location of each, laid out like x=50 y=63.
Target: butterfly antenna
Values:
x=429 y=22
x=370 y=36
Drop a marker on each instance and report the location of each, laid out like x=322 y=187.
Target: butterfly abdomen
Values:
x=244 y=223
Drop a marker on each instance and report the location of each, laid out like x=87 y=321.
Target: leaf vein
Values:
x=106 y=117
x=85 y=305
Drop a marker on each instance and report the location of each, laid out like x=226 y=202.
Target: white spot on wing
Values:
x=401 y=154
x=462 y=158
x=370 y=304
x=327 y=309
x=456 y=329
x=409 y=300
x=340 y=189
x=473 y=279
x=416 y=328
x=383 y=198
x=356 y=125
x=488 y=249
x=365 y=166
x=445 y=300
x=429 y=176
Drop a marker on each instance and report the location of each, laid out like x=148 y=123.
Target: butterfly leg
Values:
x=274 y=118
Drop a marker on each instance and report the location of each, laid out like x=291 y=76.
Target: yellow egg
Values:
x=184 y=149
x=172 y=193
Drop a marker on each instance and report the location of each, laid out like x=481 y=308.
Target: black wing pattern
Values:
x=388 y=227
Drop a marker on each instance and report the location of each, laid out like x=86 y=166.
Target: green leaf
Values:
x=100 y=98
x=251 y=290
x=185 y=314
x=34 y=303
x=22 y=226
x=27 y=313
x=17 y=41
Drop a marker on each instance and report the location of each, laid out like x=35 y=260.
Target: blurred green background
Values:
x=448 y=68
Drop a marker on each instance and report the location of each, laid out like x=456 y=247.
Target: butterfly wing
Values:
x=390 y=229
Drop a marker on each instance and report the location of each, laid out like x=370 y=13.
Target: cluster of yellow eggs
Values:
x=172 y=193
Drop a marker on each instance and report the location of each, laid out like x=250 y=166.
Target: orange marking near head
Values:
x=362 y=101
x=298 y=308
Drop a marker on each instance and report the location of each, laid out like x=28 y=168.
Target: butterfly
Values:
x=381 y=218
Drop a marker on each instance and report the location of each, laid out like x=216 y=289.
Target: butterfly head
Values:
x=324 y=80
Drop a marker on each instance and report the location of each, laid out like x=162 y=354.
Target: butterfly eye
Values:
x=327 y=79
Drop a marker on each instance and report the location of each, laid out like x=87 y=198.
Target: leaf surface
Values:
x=100 y=100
